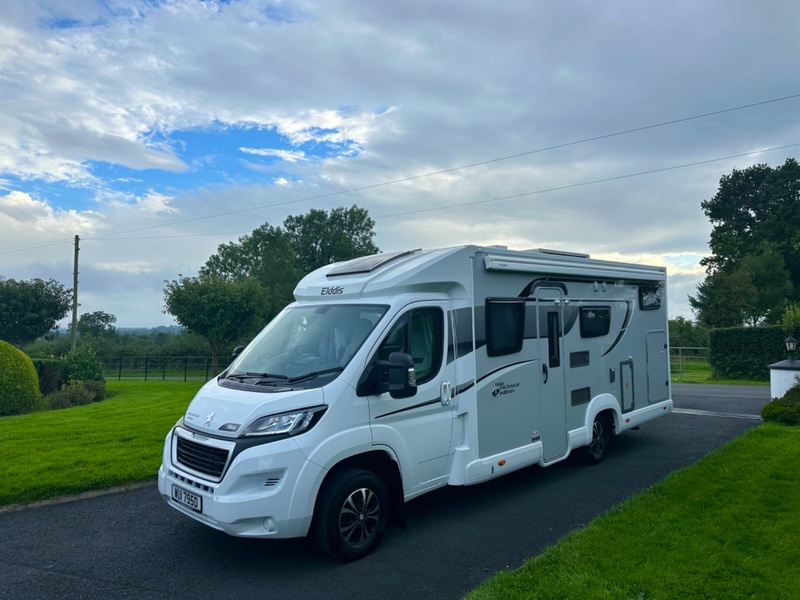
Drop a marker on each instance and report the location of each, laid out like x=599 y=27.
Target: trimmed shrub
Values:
x=76 y=393
x=19 y=383
x=96 y=388
x=83 y=365
x=52 y=374
x=785 y=410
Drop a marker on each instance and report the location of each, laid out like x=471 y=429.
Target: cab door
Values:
x=418 y=429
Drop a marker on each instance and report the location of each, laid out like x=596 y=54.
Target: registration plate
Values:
x=187 y=498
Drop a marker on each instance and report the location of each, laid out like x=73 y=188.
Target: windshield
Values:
x=304 y=342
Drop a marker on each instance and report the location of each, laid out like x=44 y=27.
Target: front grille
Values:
x=203 y=459
x=191 y=482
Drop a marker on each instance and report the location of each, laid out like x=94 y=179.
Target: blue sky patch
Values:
x=216 y=155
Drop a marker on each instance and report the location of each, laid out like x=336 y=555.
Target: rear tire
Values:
x=351 y=515
x=602 y=430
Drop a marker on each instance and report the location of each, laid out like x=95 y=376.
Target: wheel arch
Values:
x=606 y=405
x=383 y=464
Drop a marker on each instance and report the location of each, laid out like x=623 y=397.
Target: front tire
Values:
x=602 y=430
x=352 y=514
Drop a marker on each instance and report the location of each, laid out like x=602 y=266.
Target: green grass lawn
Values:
x=726 y=527
x=100 y=445
x=699 y=371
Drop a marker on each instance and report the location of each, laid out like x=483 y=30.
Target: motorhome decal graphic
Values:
x=501 y=388
x=624 y=328
x=406 y=409
x=505 y=368
x=459 y=335
x=529 y=289
x=332 y=290
x=459 y=389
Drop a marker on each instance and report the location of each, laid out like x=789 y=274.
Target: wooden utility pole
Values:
x=74 y=338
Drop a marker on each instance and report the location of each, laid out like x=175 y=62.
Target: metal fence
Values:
x=159 y=367
x=689 y=363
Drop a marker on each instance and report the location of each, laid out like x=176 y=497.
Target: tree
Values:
x=687 y=334
x=97 y=323
x=737 y=210
x=755 y=243
x=320 y=238
x=772 y=282
x=29 y=309
x=790 y=320
x=278 y=258
x=220 y=310
x=722 y=299
x=266 y=255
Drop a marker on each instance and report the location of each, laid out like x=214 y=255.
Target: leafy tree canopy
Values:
x=220 y=310
x=320 y=238
x=97 y=323
x=279 y=257
x=790 y=320
x=29 y=309
x=266 y=255
x=754 y=268
x=687 y=334
x=721 y=299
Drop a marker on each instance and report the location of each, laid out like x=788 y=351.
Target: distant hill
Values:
x=168 y=329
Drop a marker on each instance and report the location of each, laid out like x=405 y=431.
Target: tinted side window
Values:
x=419 y=333
x=595 y=322
x=650 y=295
x=505 y=325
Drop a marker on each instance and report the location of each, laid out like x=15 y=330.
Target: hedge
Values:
x=745 y=352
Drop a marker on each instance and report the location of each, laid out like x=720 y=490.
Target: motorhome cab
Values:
x=396 y=374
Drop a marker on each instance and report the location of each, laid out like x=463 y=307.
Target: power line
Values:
x=585 y=183
x=451 y=170
x=36 y=246
x=462 y=167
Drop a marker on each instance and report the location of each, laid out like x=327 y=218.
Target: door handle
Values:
x=544 y=372
x=445 y=391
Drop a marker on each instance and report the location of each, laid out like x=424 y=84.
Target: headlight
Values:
x=290 y=423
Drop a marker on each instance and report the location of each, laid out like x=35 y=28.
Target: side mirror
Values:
x=402 y=376
x=237 y=351
x=395 y=375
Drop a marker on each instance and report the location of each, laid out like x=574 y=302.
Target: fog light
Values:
x=270 y=526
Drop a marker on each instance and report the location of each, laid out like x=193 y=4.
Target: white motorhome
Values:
x=396 y=374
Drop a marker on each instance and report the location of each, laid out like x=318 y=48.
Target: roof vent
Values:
x=559 y=252
x=367 y=264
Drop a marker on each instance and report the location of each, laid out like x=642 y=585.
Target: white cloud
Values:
x=286 y=155
x=398 y=90
x=24 y=218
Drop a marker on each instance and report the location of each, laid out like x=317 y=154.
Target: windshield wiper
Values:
x=313 y=374
x=260 y=376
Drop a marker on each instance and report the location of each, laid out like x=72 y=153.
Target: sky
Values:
x=156 y=130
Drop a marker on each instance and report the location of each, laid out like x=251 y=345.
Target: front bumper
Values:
x=266 y=491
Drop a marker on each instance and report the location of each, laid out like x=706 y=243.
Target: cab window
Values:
x=420 y=333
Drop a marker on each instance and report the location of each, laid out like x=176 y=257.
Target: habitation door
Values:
x=418 y=429
x=550 y=308
x=657 y=366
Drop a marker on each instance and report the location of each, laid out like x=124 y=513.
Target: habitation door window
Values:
x=553 y=340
